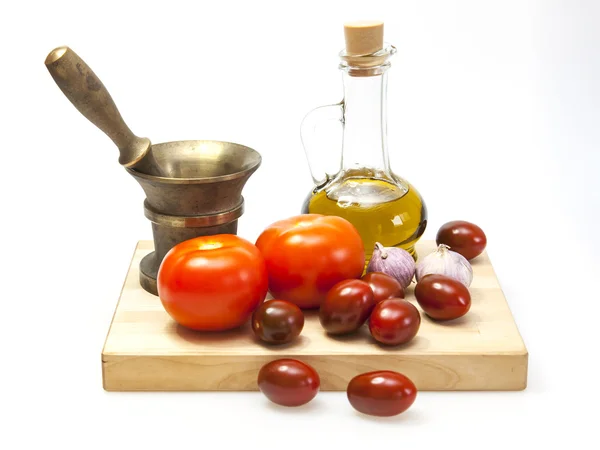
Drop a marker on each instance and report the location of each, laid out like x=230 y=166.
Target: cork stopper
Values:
x=363 y=37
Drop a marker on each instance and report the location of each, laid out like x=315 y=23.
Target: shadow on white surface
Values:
x=308 y=409
x=410 y=416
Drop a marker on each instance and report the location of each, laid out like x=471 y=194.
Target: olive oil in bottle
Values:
x=391 y=213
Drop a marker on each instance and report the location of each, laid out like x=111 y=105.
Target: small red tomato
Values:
x=394 y=321
x=346 y=307
x=462 y=237
x=382 y=393
x=288 y=382
x=277 y=321
x=442 y=297
x=383 y=286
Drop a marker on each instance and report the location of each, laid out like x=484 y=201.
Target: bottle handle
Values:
x=322 y=162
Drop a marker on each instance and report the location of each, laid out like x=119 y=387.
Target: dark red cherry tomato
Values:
x=382 y=393
x=442 y=297
x=462 y=237
x=288 y=382
x=394 y=321
x=346 y=307
x=383 y=286
x=277 y=321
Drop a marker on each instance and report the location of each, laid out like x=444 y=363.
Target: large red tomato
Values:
x=212 y=283
x=306 y=255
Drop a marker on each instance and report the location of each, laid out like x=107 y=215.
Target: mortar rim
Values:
x=204 y=180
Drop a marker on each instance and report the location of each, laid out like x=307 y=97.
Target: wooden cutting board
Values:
x=145 y=350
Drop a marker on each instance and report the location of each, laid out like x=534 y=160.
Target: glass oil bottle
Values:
x=360 y=186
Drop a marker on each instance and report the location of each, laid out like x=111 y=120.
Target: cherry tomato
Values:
x=442 y=297
x=394 y=321
x=212 y=283
x=346 y=307
x=382 y=393
x=288 y=382
x=307 y=254
x=383 y=286
x=462 y=237
x=277 y=321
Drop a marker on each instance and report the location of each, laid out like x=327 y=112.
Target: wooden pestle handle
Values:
x=87 y=93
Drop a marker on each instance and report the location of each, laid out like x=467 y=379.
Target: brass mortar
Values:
x=202 y=197
x=193 y=188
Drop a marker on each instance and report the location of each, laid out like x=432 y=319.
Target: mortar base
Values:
x=148 y=273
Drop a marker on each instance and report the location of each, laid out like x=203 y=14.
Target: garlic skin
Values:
x=393 y=261
x=443 y=261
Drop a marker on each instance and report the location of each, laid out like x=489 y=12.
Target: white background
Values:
x=494 y=110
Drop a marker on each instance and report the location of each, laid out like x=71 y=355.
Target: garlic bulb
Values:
x=393 y=261
x=443 y=261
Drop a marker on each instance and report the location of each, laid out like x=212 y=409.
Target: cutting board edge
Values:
x=225 y=373
x=116 y=356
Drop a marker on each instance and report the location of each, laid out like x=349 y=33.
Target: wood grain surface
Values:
x=145 y=350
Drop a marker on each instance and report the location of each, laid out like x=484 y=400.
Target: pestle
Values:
x=87 y=93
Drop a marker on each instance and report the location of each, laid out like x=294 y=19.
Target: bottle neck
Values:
x=365 y=126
